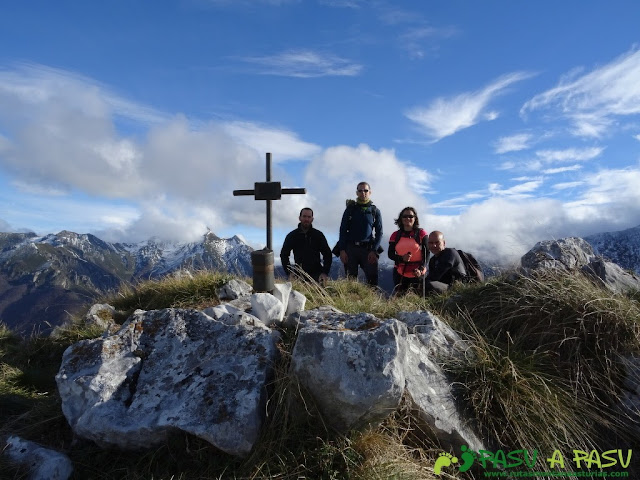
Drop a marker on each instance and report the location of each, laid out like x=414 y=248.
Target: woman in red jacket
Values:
x=408 y=249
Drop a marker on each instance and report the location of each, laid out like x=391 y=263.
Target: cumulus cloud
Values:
x=331 y=178
x=303 y=64
x=445 y=116
x=62 y=139
x=503 y=228
x=592 y=102
x=282 y=143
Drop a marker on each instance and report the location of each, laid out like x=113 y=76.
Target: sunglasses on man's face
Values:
x=363 y=191
x=408 y=216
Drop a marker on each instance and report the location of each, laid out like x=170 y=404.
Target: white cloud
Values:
x=569 y=154
x=593 y=101
x=553 y=171
x=504 y=228
x=545 y=157
x=304 y=64
x=419 y=41
x=60 y=138
x=566 y=185
x=331 y=178
x=283 y=144
x=462 y=201
x=445 y=116
x=513 y=143
x=522 y=190
x=33 y=87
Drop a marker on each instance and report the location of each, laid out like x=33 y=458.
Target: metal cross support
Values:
x=262 y=261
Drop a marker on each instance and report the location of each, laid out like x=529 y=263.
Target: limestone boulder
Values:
x=169 y=370
x=352 y=365
x=431 y=342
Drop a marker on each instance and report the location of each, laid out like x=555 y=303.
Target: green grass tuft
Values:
x=542 y=371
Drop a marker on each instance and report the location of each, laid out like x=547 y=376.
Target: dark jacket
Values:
x=359 y=222
x=447 y=267
x=307 y=249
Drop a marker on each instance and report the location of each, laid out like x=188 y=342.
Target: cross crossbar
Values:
x=269 y=191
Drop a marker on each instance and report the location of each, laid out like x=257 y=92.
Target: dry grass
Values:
x=545 y=363
x=546 y=355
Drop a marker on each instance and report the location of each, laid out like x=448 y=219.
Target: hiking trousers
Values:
x=358 y=256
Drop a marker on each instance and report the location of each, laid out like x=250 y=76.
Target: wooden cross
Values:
x=269 y=191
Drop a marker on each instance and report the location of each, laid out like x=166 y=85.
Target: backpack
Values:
x=350 y=205
x=416 y=237
x=471 y=265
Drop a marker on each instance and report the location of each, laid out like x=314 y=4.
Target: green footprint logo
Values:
x=444 y=460
x=468 y=457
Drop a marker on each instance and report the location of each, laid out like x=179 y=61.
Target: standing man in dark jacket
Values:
x=361 y=235
x=445 y=266
x=308 y=244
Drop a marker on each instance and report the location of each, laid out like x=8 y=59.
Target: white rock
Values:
x=43 y=463
x=296 y=303
x=353 y=367
x=282 y=291
x=234 y=289
x=168 y=370
x=267 y=308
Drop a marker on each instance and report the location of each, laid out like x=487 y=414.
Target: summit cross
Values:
x=269 y=191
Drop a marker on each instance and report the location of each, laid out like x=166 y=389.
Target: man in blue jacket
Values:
x=308 y=245
x=361 y=235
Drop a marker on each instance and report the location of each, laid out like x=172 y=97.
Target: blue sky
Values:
x=504 y=123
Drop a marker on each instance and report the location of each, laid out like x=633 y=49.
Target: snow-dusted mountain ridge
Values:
x=622 y=247
x=45 y=279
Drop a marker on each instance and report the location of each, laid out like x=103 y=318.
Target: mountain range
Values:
x=45 y=280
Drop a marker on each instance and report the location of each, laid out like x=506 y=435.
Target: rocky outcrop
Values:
x=564 y=254
x=575 y=253
x=207 y=373
x=169 y=370
x=359 y=367
x=353 y=366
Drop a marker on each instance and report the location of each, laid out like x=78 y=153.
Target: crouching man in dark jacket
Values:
x=308 y=245
x=445 y=265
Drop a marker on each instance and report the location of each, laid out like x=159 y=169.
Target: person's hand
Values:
x=323 y=279
x=343 y=257
x=419 y=272
x=406 y=257
x=373 y=258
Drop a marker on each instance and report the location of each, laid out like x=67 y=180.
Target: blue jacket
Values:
x=361 y=223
